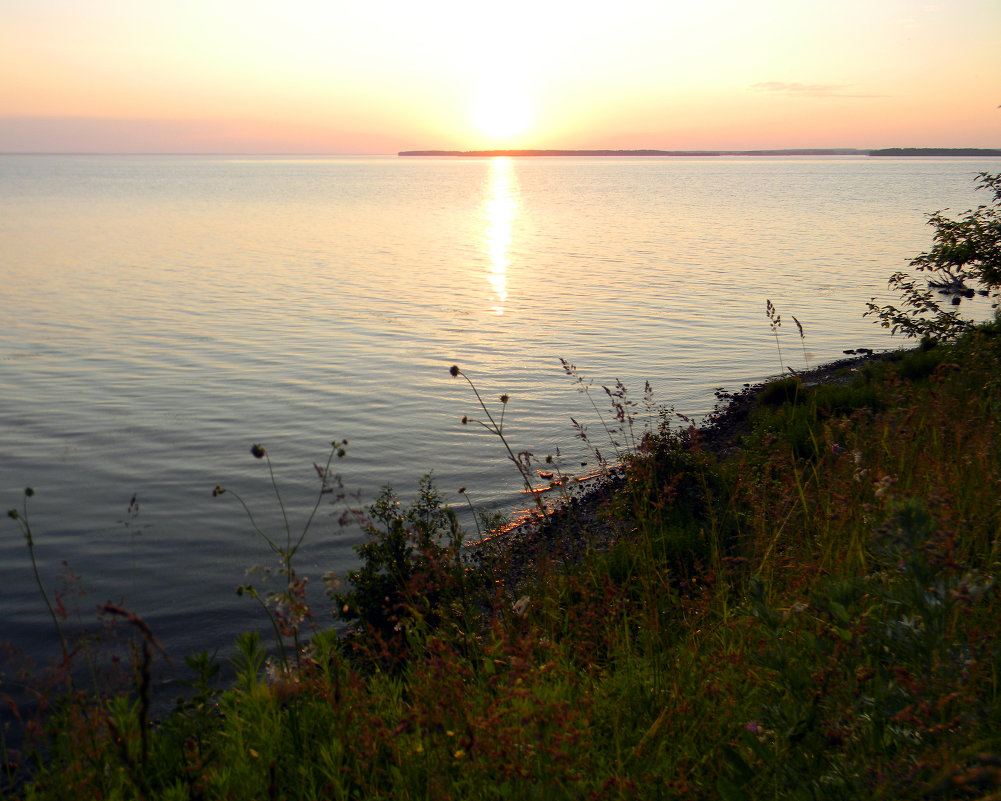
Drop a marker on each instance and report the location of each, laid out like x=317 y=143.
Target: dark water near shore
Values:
x=163 y=313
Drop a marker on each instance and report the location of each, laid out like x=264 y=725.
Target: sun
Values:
x=502 y=112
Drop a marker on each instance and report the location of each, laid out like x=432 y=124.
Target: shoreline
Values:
x=575 y=525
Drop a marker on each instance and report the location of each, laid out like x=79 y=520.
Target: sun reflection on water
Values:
x=500 y=211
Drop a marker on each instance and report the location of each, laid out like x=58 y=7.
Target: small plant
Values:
x=24 y=524
x=476 y=517
x=288 y=610
x=622 y=435
x=522 y=460
x=775 y=323
x=122 y=716
x=487 y=523
x=585 y=388
x=131 y=523
x=802 y=340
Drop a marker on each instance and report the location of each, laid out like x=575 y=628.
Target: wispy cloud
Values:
x=809 y=89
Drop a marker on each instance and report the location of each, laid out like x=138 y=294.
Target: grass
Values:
x=810 y=613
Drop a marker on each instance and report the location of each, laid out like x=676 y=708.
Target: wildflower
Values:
x=521 y=605
x=454 y=370
x=217 y=491
x=883 y=484
x=464 y=419
x=257 y=451
x=504 y=399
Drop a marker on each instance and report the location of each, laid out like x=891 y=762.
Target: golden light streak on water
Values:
x=500 y=210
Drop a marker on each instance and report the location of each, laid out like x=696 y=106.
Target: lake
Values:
x=163 y=313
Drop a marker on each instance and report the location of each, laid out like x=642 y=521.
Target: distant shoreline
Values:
x=907 y=152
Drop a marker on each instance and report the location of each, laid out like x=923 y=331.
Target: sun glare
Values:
x=500 y=210
x=502 y=113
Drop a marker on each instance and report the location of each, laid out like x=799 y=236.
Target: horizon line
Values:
x=528 y=152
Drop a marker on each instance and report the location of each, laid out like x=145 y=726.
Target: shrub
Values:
x=412 y=577
x=966 y=251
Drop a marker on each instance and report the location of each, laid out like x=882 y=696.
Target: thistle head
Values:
x=257 y=451
x=454 y=371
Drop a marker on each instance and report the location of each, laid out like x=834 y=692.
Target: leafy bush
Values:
x=965 y=258
x=412 y=577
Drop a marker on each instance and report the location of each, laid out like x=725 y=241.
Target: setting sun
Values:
x=501 y=112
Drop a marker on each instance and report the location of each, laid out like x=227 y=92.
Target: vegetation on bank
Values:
x=805 y=607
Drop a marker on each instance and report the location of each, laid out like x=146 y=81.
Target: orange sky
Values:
x=314 y=76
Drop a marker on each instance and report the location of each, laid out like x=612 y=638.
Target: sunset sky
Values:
x=372 y=76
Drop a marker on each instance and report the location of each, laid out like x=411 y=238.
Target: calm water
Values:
x=163 y=313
